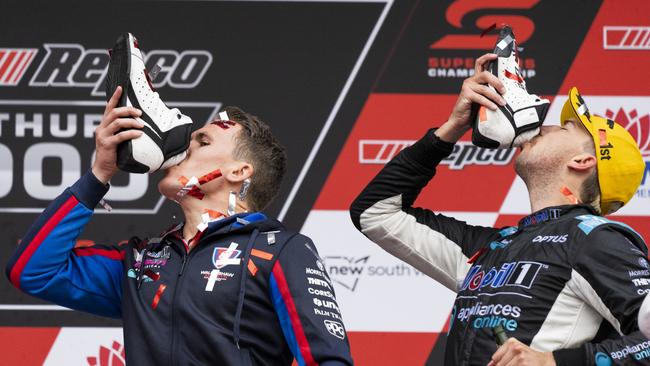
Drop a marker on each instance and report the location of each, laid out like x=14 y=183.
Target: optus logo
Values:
x=113 y=356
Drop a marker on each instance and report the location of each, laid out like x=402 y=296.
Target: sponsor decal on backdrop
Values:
x=13 y=64
x=113 y=356
x=466 y=38
x=626 y=38
x=464 y=153
x=348 y=271
x=638 y=124
x=49 y=142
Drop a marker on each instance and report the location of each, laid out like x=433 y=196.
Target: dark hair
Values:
x=256 y=145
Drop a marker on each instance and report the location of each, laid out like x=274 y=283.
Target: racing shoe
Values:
x=520 y=119
x=166 y=136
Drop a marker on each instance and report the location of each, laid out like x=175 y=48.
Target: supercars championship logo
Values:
x=47 y=141
x=463 y=38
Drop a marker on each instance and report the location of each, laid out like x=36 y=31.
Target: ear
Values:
x=582 y=163
x=239 y=171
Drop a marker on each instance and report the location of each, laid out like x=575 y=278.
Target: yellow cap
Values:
x=620 y=165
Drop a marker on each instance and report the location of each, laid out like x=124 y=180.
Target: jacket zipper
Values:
x=173 y=310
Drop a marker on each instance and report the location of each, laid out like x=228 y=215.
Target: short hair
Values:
x=256 y=145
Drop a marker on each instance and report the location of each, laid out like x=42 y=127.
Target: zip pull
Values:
x=183 y=265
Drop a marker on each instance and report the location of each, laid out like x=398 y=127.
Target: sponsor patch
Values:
x=222 y=257
x=335 y=328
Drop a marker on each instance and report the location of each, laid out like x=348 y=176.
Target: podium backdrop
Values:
x=345 y=85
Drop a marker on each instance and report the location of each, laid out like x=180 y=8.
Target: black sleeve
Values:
x=612 y=276
x=435 y=244
x=305 y=303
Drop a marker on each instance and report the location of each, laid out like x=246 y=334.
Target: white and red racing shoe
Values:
x=167 y=131
x=520 y=119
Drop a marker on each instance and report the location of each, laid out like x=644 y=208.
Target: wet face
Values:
x=211 y=148
x=552 y=149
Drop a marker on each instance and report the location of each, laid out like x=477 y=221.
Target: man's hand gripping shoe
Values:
x=166 y=136
x=520 y=119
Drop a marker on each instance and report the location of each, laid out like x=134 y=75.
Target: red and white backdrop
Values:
x=346 y=85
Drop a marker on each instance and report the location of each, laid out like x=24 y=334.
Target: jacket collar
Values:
x=242 y=223
x=555 y=212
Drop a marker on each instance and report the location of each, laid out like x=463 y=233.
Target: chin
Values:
x=169 y=186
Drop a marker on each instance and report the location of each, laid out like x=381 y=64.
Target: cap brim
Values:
x=575 y=109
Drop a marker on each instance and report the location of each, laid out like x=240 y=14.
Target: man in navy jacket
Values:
x=229 y=286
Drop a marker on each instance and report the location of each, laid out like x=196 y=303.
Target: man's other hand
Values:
x=111 y=132
x=515 y=353
x=474 y=90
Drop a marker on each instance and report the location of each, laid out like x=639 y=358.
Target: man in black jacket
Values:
x=229 y=286
x=566 y=284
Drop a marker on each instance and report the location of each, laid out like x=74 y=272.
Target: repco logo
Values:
x=71 y=65
x=48 y=142
x=458 y=10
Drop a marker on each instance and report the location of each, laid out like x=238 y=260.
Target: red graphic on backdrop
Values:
x=13 y=64
x=638 y=126
x=626 y=38
x=113 y=356
x=459 y=9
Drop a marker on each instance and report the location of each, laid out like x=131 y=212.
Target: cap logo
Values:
x=605 y=153
x=582 y=107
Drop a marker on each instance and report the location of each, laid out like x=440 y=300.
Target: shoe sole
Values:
x=122 y=52
x=493 y=67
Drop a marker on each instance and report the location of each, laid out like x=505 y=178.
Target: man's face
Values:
x=211 y=148
x=552 y=149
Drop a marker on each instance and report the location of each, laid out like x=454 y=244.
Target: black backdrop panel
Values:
x=286 y=62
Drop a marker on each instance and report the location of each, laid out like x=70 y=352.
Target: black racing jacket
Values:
x=249 y=293
x=565 y=280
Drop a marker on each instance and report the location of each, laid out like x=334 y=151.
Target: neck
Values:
x=547 y=194
x=194 y=208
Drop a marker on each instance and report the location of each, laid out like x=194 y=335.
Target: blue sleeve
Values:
x=47 y=265
x=306 y=306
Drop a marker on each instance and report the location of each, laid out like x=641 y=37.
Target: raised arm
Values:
x=47 y=265
x=437 y=245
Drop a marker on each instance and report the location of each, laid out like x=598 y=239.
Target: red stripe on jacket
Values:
x=38 y=239
x=298 y=330
x=111 y=254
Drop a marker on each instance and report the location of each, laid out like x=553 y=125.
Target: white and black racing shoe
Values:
x=167 y=131
x=521 y=118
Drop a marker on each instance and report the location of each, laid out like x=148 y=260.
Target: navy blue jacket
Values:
x=249 y=293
